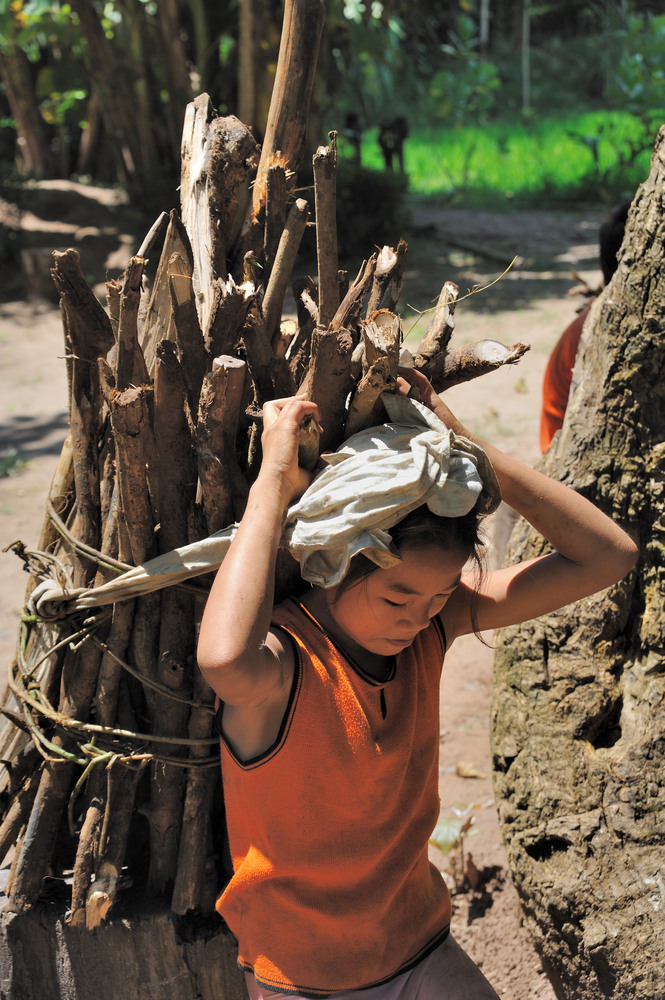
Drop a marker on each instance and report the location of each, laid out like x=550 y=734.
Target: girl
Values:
x=329 y=717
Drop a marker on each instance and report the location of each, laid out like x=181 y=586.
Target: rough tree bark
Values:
x=579 y=706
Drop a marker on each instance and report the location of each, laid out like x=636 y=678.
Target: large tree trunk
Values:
x=121 y=107
x=579 y=707
x=33 y=148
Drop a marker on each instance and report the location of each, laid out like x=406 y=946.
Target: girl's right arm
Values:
x=241 y=660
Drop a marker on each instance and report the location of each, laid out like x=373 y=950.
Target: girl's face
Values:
x=384 y=612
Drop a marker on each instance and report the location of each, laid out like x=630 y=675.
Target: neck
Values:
x=374 y=664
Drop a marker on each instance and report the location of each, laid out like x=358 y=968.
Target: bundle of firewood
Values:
x=111 y=776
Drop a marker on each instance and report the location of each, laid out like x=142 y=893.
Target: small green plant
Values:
x=11 y=463
x=449 y=836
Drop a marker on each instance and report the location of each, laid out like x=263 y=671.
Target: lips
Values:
x=402 y=642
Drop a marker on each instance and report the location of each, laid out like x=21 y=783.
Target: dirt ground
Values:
x=531 y=303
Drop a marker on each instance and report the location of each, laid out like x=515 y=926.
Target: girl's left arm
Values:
x=591 y=551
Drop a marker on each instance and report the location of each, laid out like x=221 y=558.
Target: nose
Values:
x=417 y=618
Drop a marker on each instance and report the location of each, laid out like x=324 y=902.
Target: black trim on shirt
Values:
x=261 y=758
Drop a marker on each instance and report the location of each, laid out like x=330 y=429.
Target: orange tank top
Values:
x=328 y=829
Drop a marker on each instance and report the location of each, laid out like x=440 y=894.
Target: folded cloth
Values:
x=374 y=480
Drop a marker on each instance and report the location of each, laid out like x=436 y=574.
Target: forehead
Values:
x=423 y=571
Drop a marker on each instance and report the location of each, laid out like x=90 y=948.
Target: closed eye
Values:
x=394 y=604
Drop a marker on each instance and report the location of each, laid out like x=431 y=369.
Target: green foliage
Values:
x=467 y=86
x=369 y=63
x=592 y=156
x=46 y=33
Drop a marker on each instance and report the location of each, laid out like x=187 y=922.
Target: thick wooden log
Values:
x=88 y=336
x=329 y=381
x=271 y=376
x=135 y=448
x=350 y=307
x=195 y=887
x=299 y=349
x=143 y=954
x=230 y=304
x=217 y=156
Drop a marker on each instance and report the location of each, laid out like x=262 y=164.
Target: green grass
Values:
x=11 y=463
x=549 y=160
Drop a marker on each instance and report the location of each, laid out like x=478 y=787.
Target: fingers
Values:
x=292 y=409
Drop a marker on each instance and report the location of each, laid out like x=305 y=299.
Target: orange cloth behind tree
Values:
x=332 y=887
x=558 y=376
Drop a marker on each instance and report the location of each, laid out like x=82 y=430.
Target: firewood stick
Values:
x=177 y=493
x=88 y=334
x=113 y=290
x=154 y=234
x=131 y=427
x=298 y=351
x=218 y=155
x=467 y=362
x=131 y=366
x=366 y=409
x=382 y=335
x=195 y=358
x=275 y=216
x=191 y=891
x=17 y=815
x=325 y=182
x=387 y=283
x=271 y=376
x=442 y=324
x=273 y=300
x=223 y=487
x=158 y=322
x=84 y=862
x=229 y=307
x=328 y=381
x=349 y=310
x=289 y=105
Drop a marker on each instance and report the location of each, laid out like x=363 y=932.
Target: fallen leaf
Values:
x=468 y=771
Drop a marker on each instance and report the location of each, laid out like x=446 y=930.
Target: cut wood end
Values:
x=98 y=905
x=492 y=350
x=227 y=361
